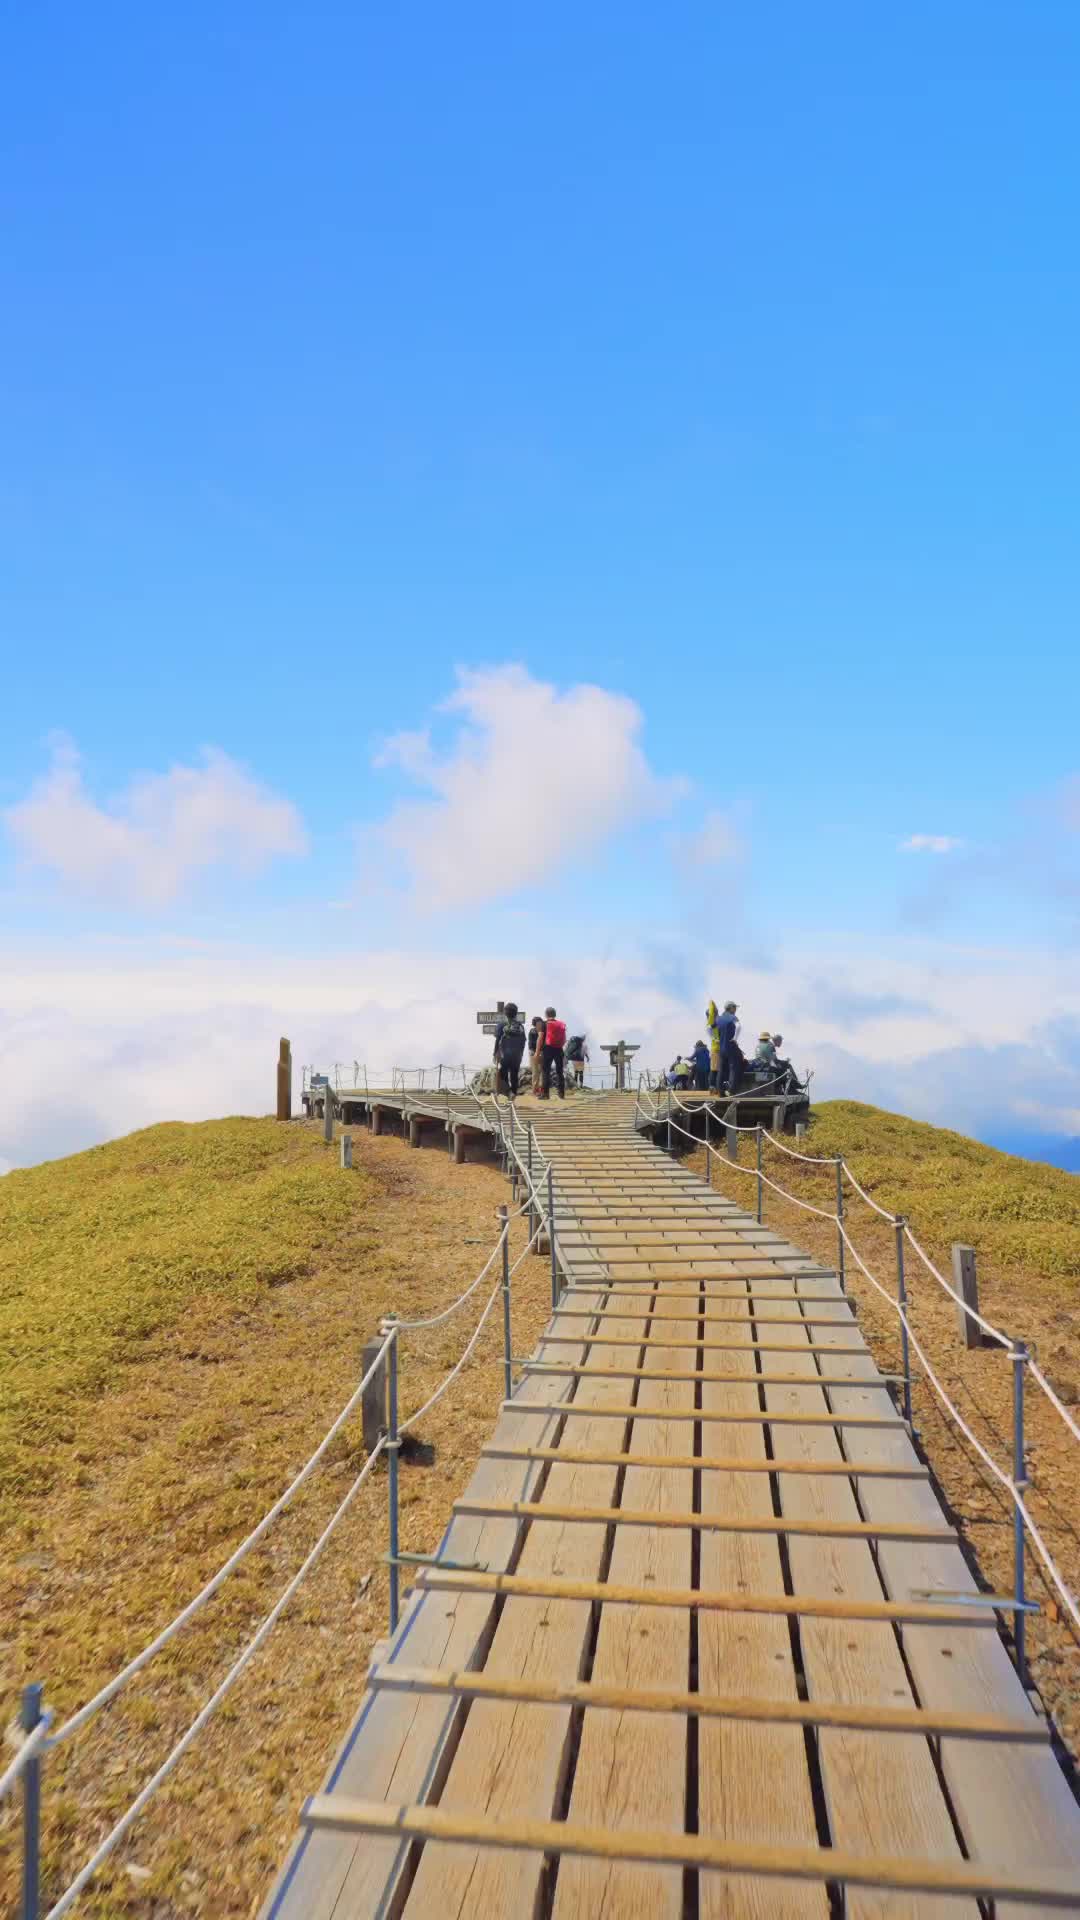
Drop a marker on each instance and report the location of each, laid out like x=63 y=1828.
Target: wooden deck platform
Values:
x=678 y=1613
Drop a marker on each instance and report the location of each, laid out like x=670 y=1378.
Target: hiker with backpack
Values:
x=554 y=1051
x=509 y=1047
x=577 y=1054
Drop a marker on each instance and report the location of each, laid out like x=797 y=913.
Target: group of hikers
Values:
x=550 y=1053
x=720 y=1066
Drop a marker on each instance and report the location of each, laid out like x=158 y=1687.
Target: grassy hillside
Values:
x=162 y=1385
x=104 y=1251
x=1020 y=1214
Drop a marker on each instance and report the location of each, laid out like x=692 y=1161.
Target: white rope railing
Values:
x=120 y=1680
x=1041 y=1380
x=172 y=1760
x=987 y=1458
x=987 y=1326
x=29 y=1750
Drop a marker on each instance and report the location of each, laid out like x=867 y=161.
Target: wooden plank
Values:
x=389 y=1748
x=631 y=1773
x=509 y=1761
x=560 y=1369
x=439 y=1828
x=451 y=1580
x=1019 y=1804
x=625 y=1412
x=722 y=1463
x=622 y=1515
x=880 y=1795
x=689 y=1320
x=586 y=1694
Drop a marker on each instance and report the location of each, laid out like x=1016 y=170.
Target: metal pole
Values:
x=841 y=1249
x=551 y=1238
x=508 y=1371
x=393 y=1448
x=29 y=1718
x=1019 y=1359
x=899 y=1224
x=760 y=1182
x=532 y=1226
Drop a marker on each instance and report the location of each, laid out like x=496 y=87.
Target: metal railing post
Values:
x=29 y=1718
x=841 y=1249
x=532 y=1223
x=551 y=1237
x=393 y=1448
x=899 y=1224
x=760 y=1182
x=1018 y=1357
x=508 y=1371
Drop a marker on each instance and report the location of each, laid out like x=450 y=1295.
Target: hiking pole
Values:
x=1018 y=1356
x=899 y=1223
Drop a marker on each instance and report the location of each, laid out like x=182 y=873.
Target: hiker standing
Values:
x=537 y=1033
x=731 y=1059
x=509 y=1047
x=554 y=1049
x=701 y=1067
x=577 y=1054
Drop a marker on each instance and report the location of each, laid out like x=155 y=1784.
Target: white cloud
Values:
x=534 y=779
x=117 y=1034
x=154 y=837
x=930 y=843
x=713 y=844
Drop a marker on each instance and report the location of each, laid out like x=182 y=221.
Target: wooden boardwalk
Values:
x=676 y=1611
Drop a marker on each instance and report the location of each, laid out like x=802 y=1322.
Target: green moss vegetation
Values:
x=105 y=1253
x=1022 y=1215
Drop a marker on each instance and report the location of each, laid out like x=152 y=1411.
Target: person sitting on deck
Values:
x=679 y=1072
x=765 y=1050
x=701 y=1067
x=789 y=1079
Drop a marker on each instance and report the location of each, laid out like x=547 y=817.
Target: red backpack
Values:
x=556 y=1033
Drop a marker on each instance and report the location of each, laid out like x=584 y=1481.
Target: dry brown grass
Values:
x=174 y=1458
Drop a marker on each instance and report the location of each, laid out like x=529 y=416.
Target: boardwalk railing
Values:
x=658 y=1109
x=520 y=1152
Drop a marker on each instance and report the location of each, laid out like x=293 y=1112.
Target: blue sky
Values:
x=722 y=360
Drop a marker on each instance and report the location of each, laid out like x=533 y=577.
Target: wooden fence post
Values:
x=373 y=1399
x=346 y=1150
x=966 y=1282
x=284 y=1081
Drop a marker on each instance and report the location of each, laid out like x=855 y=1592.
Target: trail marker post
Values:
x=966 y=1282
x=284 y=1080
